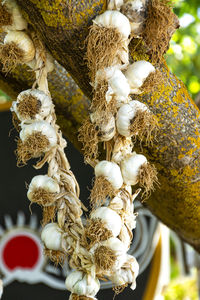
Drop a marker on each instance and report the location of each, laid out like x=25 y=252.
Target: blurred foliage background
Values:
x=183 y=57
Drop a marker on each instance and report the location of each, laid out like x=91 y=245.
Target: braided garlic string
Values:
x=116 y=121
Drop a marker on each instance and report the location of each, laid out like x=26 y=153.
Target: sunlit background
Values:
x=183 y=57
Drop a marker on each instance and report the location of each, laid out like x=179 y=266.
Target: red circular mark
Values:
x=20 y=252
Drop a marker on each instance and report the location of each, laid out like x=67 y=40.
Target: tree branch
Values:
x=64 y=27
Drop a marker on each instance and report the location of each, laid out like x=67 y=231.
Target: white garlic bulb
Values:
x=134 y=11
x=136 y=74
x=114 y=19
x=81 y=284
x=111 y=172
x=52 y=236
x=42 y=181
x=106 y=126
x=118 y=248
x=135 y=4
x=126 y=114
x=109 y=217
x=116 y=203
x=121 y=149
x=23 y=42
x=42 y=127
x=127 y=274
x=117 y=83
x=18 y=22
x=41 y=102
x=130 y=219
x=130 y=167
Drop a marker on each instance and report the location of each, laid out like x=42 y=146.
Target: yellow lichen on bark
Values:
x=176 y=155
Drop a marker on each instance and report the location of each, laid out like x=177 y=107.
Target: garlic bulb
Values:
x=136 y=5
x=81 y=284
x=43 y=182
x=130 y=167
x=126 y=114
x=109 y=255
x=18 y=22
x=137 y=73
x=114 y=19
x=130 y=219
x=127 y=274
x=23 y=42
x=105 y=125
x=52 y=236
x=109 y=217
x=121 y=148
x=42 y=127
x=32 y=105
x=116 y=204
x=111 y=172
x=117 y=83
x=134 y=10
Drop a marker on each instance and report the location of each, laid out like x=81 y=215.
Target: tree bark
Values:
x=63 y=28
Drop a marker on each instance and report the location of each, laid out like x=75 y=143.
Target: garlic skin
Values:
x=81 y=284
x=119 y=156
x=89 y=298
x=23 y=41
x=134 y=10
x=116 y=203
x=111 y=172
x=49 y=63
x=114 y=19
x=117 y=83
x=136 y=74
x=18 y=22
x=127 y=274
x=130 y=167
x=40 y=126
x=44 y=100
x=126 y=114
x=135 y=4
x=115 y=4
x=110 y=218
x=125 y=237
x=42 y=181
x=117 y=247
x=52 y=236
x=106 y=125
